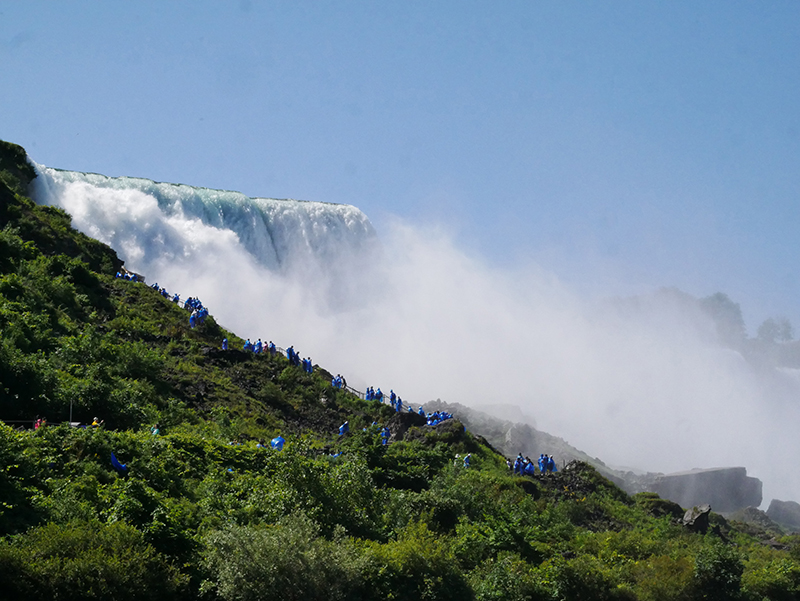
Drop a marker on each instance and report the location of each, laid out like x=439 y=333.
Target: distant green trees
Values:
x=727 y=316
x=775 y=329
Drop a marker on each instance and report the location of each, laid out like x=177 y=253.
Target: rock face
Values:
x=755 y=517
x=725 y=489
x=785 y=513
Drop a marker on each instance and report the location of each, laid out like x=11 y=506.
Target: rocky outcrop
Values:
x=755 y=517
x=726 y=488
x=696 y=518
x=399 y=424
x=785 y=513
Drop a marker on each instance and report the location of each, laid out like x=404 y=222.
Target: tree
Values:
x=778 y=329
x=728 y=317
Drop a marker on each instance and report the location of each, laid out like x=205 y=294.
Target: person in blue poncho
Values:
x=272 y=348
x=248 y=346
x=399 y=406
x=551 y=464
x=379 y=395
x=192 y=321
x=224 y=344
x=277 y=443
x=120 y=467
x=421 y=411
x=344 y=428
x=467 y=459
x=259 y=346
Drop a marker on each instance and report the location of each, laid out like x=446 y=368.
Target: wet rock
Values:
x=726 y=488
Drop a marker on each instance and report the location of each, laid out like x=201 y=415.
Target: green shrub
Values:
x=717 y=572
x=585 y=578
x=664 y=578
x=288 y=561
x=417 y=565
x=773 y=580
x=507 y=578
x=80 y=561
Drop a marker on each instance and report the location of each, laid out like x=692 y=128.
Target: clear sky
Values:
x=622 y=145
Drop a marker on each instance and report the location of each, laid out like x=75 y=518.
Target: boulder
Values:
x=696 y=518
x=726 y=488
x=785 y=513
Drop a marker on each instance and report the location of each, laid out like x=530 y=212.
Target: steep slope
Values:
x=200 y=511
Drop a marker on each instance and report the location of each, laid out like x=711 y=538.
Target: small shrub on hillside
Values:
x=417 y=565
x=508 y=578
x=80 y=561
x=288 y=561
x=717 y=572
x=774 y=580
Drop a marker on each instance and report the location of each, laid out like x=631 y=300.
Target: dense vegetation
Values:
x=328 y=517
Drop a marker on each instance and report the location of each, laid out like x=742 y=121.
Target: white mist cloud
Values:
x=637 y=384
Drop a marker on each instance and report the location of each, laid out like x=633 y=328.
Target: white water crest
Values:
x=171 y=231
x=647 y=386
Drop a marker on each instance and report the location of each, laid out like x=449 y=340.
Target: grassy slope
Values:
x=197 y=517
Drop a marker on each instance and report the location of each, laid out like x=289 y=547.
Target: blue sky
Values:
x=625 y=146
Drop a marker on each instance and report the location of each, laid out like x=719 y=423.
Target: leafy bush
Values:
x=508 y=578
x=717 y=572
x=417 y=565
x=773 y=580
x=80 y=561
x=289 y=561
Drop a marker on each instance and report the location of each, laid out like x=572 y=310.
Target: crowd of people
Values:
x=127 y=275
x=435 y=418
x=374 y=395
x=524 y=466
x=294 y=359
x=258 y=347
x=197 y=312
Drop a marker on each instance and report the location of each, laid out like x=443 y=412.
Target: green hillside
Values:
x=200 y=511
